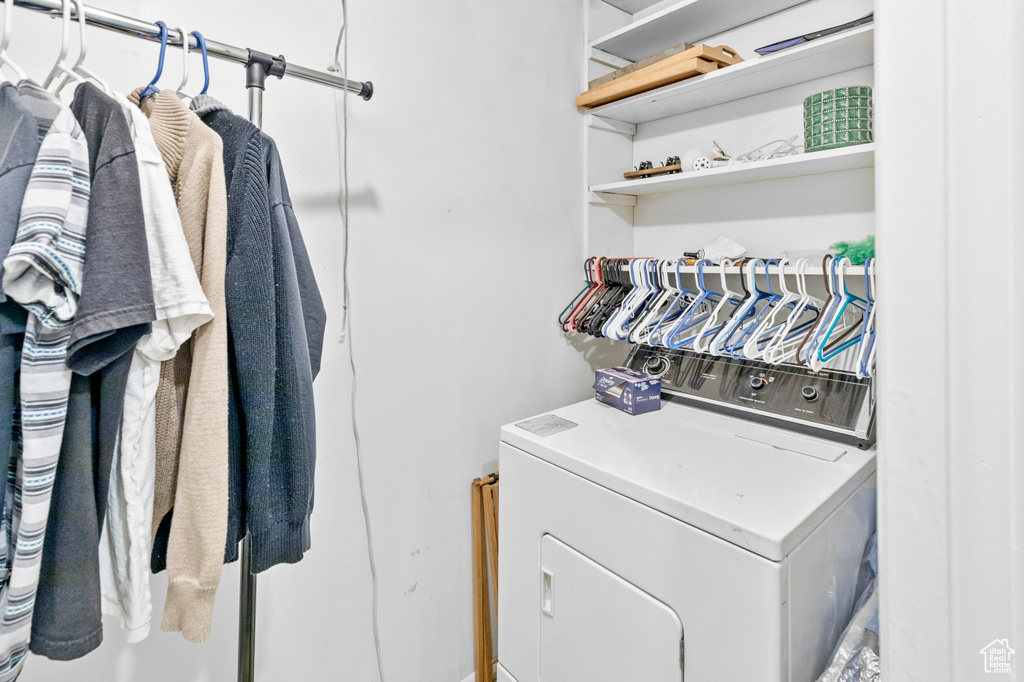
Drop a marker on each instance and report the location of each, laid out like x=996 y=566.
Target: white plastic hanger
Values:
x=768 y=325
x=705 y=337
x=696 y=312
x=866 y=349
x=644 y=287
x=5 y=40
x=180 y=92
x=61 y=67
x=640 y=333
x=787 y=340
x=683 y=298
x=744 y=314
x=78 y=67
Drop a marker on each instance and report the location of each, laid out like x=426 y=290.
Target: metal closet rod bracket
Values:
x=260 y=65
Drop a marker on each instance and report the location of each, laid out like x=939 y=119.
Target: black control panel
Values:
x=829 y=404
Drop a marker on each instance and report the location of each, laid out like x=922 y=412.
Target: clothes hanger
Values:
x=185 y=47
x=696 y=313
x=61 y=67
x=611 y=274
x=620 y=286
x=765 y=330
x=784 y=344
x=590 y=283
x=650 y=291
x=201 y=41
x=576 y=319
x=803 y=353
x=151 y=89
x=78 y=67
x=678 y=306
x=5 y=41
x=642 y=330
x=633 y=308
x=867 y=343
x=848 y=303
x=771 y=299
x=743 y=310
x=608 y=326
x=592 y=274
x=839 y=320
x=761 y=301
x=712 y=325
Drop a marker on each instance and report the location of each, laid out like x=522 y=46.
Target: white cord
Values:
x=342 y=99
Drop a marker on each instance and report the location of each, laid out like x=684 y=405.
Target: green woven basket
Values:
x=838 y=118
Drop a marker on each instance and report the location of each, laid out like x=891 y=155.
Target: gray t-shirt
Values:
x=19 y=144
x=115 y=310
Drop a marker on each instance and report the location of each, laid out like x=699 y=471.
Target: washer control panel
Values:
x=829 y=404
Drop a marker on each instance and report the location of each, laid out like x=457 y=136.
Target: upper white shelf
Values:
x=829 y=161
x=834 y=54
x=633 y=6
x=685 y=21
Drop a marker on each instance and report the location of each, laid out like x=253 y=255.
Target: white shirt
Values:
x=181 y=307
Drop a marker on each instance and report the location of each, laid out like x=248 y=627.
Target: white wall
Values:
x=466 y=243
x=950 y=212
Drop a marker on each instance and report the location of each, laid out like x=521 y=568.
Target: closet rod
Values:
x=150 y=31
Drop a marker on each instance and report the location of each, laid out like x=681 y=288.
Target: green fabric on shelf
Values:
x=857 y=252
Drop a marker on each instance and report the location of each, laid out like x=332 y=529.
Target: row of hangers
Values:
x=63 y=73
x=654 y=302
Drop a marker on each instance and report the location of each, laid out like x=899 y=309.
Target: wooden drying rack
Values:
x=484 y=503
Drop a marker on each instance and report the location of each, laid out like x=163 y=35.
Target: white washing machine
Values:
x=680 y=544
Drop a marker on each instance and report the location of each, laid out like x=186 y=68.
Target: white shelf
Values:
x=819 y=58
x=685 y=21
x=830 y=161
x=632 y=6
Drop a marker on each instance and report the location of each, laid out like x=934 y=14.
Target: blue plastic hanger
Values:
x=769 y=298
x=696 y=313
x=867 y=333
x=825 y=352
x=151 y=89
x=677 y=308
x=206 y=62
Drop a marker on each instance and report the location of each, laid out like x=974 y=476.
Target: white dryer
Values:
x=680 y=544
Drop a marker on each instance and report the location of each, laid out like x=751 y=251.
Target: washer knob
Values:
x=656 y=366
x=809 y=393
x=757 y=383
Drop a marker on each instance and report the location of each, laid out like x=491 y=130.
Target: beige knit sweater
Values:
x=192 y=398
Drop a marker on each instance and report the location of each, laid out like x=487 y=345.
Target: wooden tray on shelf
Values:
x=650 y=172
x=687 y=64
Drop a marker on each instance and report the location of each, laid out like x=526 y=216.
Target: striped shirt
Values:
x=42 y=272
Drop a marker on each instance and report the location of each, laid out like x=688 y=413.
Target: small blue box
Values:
x=628 y=390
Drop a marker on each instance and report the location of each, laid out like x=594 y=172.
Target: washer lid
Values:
x=760 y=488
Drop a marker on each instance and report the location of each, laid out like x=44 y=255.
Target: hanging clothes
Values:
x=249 y=298
x=300 y=320
x=114 y=312
x=192 y=397
x=276 y=321
x=43 y=271
x=181 y=307
x=19 y=142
